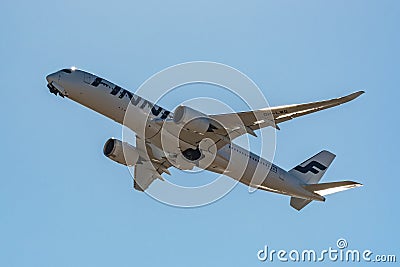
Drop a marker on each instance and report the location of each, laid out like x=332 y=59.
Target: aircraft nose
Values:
x=52 y=77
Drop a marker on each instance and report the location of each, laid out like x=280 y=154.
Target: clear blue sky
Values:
x=62 y=203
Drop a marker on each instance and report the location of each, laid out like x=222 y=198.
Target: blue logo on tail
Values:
x=310 y=167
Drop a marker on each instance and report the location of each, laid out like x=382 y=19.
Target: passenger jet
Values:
x=187 y=138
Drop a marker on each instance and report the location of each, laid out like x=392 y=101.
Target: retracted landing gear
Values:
x=54 y=90
x=192 y=154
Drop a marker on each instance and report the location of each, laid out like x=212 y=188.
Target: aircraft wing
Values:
x=253 y=120
x=285 y=113
x=227 y=127
x=149 y=168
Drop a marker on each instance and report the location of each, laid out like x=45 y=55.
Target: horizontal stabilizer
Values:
x=330 y=188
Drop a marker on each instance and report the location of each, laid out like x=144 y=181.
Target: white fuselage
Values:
x=112 y=101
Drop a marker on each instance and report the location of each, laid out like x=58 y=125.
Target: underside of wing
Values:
x=150 y=168
x=144 y=175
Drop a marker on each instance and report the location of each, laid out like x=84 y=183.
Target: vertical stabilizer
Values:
x=312 y=170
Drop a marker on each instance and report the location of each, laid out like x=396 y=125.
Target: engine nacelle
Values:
x=121 y=152
x=191 y=119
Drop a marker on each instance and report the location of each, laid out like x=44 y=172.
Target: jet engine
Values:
x=121 y=152
x=191 y=119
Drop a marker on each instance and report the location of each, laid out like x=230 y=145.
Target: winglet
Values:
x=348 y=98
x=353 y=96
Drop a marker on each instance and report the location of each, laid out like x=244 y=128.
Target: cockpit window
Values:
x=66 y=70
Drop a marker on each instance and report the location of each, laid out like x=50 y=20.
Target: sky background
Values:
x=62 y=203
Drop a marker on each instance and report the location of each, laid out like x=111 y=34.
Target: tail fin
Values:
x=311 y=172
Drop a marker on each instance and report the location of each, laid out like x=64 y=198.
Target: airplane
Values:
x=194 y=138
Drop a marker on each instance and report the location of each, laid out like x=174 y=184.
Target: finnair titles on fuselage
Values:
x=196 y=139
